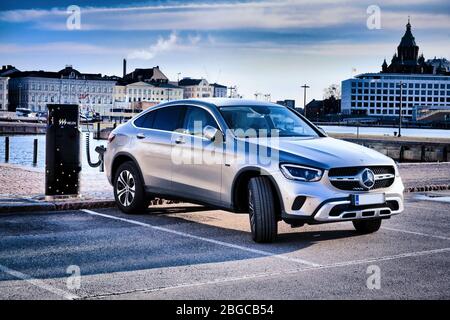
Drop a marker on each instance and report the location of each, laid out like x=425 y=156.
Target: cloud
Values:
x=194 y=39
x=55 y=47
x=162 y=45
x=266 y=14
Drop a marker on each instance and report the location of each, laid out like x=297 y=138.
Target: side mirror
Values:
x=210 y=133
x=322 y=130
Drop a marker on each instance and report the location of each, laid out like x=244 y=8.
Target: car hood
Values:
x=324 y=152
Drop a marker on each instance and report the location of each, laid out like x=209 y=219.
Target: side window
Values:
x=167 y=118
x=196 y=119
x=146 y=121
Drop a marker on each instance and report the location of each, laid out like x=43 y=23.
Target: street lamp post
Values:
x=304 y=94
x=20 y=95
x=401 y=85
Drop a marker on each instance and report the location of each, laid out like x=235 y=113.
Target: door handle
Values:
x=140 y=136
x=180 y=140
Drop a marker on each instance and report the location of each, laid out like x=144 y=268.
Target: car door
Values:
x=153 y=147
x=197 y=161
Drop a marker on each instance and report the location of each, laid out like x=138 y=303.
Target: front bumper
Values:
x=325 y=203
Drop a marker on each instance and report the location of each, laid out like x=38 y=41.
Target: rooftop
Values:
x=67 y=73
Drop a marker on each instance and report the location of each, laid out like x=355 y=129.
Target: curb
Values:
x=439 y=187
x=56 y=206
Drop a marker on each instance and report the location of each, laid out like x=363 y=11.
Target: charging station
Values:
x=62 y=154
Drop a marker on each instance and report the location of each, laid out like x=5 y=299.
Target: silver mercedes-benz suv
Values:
x=251 y=157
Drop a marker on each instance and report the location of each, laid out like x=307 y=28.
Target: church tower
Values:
x=407 y=50
x=406 y=59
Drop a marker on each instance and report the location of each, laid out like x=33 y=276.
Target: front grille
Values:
x=353 y=171
x=379 y=184
x=347 y=185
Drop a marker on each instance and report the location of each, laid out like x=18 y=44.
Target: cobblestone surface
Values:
x=18 y=181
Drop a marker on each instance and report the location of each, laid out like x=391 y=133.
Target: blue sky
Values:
x=267 y=46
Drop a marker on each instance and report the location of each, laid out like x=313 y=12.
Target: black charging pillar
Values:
x=62 y=154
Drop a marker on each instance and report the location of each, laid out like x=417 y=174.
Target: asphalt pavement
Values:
x=192 y=252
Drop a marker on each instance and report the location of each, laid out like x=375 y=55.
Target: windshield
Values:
x=251 y=121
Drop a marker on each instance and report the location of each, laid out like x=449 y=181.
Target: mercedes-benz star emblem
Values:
x=367 y=178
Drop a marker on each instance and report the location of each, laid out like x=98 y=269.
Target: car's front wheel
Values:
x=261 y=205
x=129 y=189
x=367 y=226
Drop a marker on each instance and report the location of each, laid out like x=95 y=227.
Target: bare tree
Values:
x=334 y=90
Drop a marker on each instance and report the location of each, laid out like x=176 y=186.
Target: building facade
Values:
x=3 y=94
x=132 y=98
x=420 y=84
x=287 y=103
x=145 y=91
x=376 y=94
x=219 y=91
x=196 y=88
x=35 y=89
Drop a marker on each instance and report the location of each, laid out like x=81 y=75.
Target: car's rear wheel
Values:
x=261 y=205
x=129 y=189
x=367 y=226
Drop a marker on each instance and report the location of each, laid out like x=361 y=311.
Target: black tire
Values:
x=127 y=201
x=263 y=222
x=367 y=226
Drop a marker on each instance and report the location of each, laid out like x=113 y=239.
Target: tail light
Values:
x=111 y=137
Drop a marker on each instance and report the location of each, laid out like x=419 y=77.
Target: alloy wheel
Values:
x=125 y=188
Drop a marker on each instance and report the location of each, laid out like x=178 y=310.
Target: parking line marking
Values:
x=39 y=283
x=218 y=242
x=275 y=274
x=416 y=233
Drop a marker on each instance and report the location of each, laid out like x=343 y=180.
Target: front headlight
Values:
x=301 y=173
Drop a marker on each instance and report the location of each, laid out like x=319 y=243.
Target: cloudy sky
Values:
x=266 y=46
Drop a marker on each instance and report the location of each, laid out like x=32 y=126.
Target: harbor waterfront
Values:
x=21 y=150
x=21 y=146
x=388 y=131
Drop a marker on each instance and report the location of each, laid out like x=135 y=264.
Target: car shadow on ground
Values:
x=43 y=246
x=285 y=242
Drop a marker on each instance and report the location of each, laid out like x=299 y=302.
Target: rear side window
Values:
x=168 y=118
x=196 y=119
x=146 y=121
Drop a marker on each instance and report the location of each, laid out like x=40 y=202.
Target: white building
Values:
x=35 y=89
x=144 y=91
x=424 y=84
x=3 y=94
x=132 y=98
x=378 y=94
x=196 y=88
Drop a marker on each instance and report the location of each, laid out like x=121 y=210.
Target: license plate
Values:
x=365 y=199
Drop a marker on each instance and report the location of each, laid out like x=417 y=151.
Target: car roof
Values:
x=223 y=102
x=229 y=102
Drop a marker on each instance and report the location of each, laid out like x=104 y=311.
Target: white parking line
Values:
x=416 y=233
x=38 y=283
x=274 y=274
x=218 y=242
